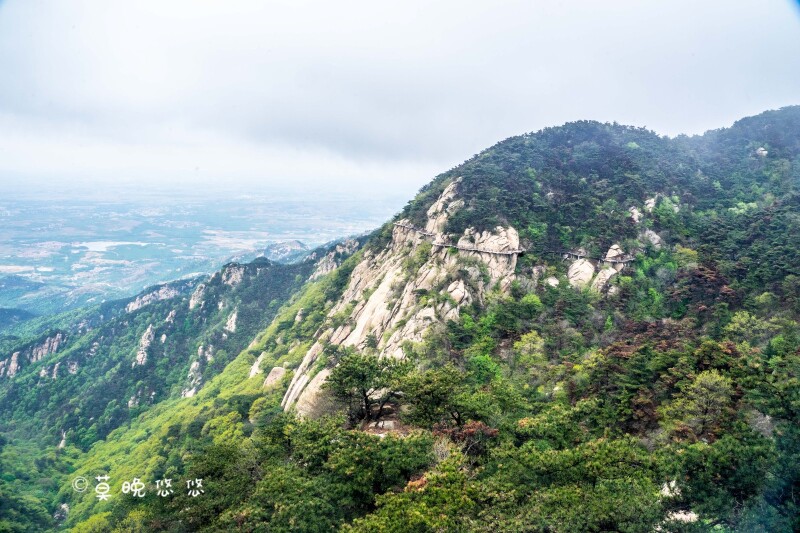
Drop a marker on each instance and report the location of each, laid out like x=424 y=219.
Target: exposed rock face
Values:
x=144 y=344
x=580 y=273
x=194 y=378
x=443 y=207
x=62 y=512
x=652 y=237
x=312 y=402
x=324 y=266
x=552 y=281
x=274 y=377
x=256 y=368
x=636 y=215
x=683 y=516
x=332 y=259
x=50 y=345
x=601 y=279
x=615 y=253
x=650 y=204
x=284 y=250
x=762 y=152
x=170 y=317
x=383 y=424
x=55 y=370
x=10 y=366
x=162 y=293
x=93 y=350
x=72 y=367
x=206 y=352
x=196 y=300
x=63 y=442
x=230 y=325
x=388 y=293
x=13 y=366
x=233 y=275
x=501 y=267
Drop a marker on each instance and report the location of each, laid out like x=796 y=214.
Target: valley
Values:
x=60 y=254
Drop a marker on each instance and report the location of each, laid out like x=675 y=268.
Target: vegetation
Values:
x=669 y=403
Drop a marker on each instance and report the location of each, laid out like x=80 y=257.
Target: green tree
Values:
x=365 y=383
x=434 y=396
x=703 y=406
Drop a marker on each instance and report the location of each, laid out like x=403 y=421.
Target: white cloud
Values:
x=365 y=94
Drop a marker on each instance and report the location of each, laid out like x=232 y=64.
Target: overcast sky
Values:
x=373 y=98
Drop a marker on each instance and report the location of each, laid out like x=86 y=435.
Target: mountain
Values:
x=586 y=328
x=286 y=252
x=11 y=317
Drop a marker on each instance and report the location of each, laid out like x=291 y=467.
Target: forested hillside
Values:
x=587 y=328
x=67 y=381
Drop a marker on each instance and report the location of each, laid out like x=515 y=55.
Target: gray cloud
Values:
x=368 y=96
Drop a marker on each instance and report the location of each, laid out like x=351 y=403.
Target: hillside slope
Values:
x=587 y=328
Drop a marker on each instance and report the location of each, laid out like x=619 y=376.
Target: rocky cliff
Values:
x=420 y=279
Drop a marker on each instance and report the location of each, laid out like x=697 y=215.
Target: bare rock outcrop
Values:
x=256 y=368
x=194 y=378
x=652 y=237
x=580 y=273
x=332 y=259
x=206 y=352
x=233 y=275
x=49 y=346
x=501 y=267
x=11 y=366
x=443 y=207
x=144 y=344
x=162 y=293
x=601 y=279
x=385 y=300
x=196 y=300
x=230 y=325
x=274 y=377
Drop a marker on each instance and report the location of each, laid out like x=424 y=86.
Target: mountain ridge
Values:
x=643 y=354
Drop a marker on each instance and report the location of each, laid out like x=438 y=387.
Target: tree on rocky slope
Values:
x=365 y=383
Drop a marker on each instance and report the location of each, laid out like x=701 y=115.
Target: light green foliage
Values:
x=703 y=406
x=745 y=327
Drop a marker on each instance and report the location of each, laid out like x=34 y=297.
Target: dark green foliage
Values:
x=365 y=383
x=291 y=476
